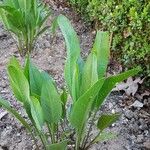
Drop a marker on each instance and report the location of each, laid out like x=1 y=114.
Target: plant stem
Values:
x=92 y=142
x=110 y=40
x=79 y=135
x=89 y=131
x=20 y=49
x=63 y=128
x=57 y=135
x=34 y=139
x=41 y=136
x=77 y=142
x=79 y=138
x=51 y=132
x=61 y=124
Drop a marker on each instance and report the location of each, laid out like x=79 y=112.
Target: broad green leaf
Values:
x=82 y=106
x=18 y=82
x=74 y=62
x=58 y=146
x=64 y=97
x=37 y=112
x=110 y=82
x=104 y=136
x=14 y=62
x=75 y=83
x=36 y=80
x=27 y=107
x=51 y=102
x=102 y=49
x=15 y=19
x=7 y=106
x=73 y=48
x=106 y=120
x=46 y=77
x=27 y=68
x=90 y=75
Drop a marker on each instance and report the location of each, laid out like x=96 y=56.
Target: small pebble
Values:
x=129 y=114
x=137 y=104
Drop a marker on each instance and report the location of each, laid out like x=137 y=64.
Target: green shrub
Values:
x=79 y=5
x=25 y=20
x=87 y=85
x=129 y=20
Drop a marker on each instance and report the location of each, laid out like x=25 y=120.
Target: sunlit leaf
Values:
x=37 y=112
x=82 y=106
x=51 y=102
x=64 y=97
x=26 y=68
x=90 y=74
x=36 y=80
x=18 y=81
x=102 y=49
x=73 y=49
x=110 y=82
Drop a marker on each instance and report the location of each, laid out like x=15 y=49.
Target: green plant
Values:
x=87 y=85
x=130 y=23
x=25 y=20
x=79 y=5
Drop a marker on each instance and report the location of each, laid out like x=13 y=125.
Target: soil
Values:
x=133 y=128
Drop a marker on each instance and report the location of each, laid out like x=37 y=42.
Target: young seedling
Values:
x=24 y=19
x=87 y=85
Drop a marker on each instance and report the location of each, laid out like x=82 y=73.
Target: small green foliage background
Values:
x=129 y=20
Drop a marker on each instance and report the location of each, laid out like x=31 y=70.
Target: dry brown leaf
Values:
x=132 y=89
x=130 y=86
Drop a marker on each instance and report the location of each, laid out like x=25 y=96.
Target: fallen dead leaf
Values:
x=130 y=86
x=132 y=89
